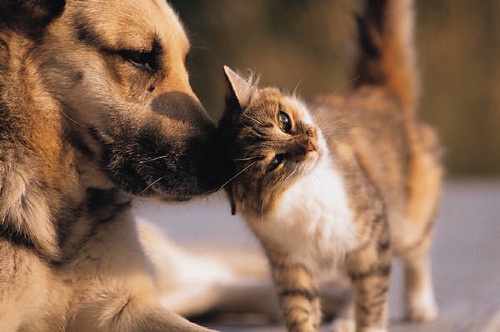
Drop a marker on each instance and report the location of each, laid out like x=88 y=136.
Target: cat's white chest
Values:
x=313 y=222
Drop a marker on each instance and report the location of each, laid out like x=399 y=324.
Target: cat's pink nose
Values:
x=310 y=147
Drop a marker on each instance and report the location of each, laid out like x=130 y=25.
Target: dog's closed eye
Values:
x=143 y=60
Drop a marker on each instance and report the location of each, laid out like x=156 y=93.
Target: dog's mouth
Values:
x=170 y=168
x=171 y=155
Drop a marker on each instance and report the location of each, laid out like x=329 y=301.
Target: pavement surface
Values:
x=466 y=255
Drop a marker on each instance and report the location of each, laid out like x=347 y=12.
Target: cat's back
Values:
x=358 y=116
x=365 y=131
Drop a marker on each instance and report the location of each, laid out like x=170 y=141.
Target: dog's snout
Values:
x=181 y=107
x=193 y=137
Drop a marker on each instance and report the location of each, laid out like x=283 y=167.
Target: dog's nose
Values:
x=183 y=108
x=190 y=123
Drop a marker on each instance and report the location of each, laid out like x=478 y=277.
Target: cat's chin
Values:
x=310 y=163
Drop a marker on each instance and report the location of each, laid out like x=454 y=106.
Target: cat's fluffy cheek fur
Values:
x=305 y=116
x=296 y=103
x=312 y=222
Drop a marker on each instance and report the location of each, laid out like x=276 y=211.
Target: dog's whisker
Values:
x=70 y=118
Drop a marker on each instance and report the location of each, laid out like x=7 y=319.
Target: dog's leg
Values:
x=129 y=312
x=114 y=288
x=123 y=304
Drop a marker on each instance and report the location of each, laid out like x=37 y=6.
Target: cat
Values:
x=344 y=181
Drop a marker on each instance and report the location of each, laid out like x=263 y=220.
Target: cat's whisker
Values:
x=236 y=175
x=294 y=91
x=290 y=175
x=150 y=185
x=332 y=128
x=262 y=213
x=246 y=159
x=153 y=159
x=341 y=86
x=253 y=119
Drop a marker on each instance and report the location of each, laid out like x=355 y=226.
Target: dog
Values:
x=95 y=109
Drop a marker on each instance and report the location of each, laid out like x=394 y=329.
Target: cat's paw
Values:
x=343 y=325
x=422 y=313
x=422 y=310
x=349 y=325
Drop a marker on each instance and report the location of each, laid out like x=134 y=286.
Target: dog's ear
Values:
x=238 y=90
x=30 y=15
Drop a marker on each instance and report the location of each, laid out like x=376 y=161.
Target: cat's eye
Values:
x=285 y=122
x=277 y=160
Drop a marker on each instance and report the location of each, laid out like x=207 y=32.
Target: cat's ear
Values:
x=238 y=90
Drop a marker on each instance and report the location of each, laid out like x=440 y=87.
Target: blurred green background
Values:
x=307 y=45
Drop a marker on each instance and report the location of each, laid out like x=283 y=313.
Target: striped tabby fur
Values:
x=342 y=181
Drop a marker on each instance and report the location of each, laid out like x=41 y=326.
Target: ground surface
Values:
x=466 y=254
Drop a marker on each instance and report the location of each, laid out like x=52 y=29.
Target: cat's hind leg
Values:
x=414 y=252
x=419 y=293
x=412 y=240
x=420 y=303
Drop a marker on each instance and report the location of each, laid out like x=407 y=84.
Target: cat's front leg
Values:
x=345 y=321
x=369 y=268
x=297 y=286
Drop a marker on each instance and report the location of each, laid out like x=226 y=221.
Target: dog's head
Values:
x=116 y=70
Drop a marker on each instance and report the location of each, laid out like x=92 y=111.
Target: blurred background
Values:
x=307 y=44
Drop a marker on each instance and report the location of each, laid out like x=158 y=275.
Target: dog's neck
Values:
x=53 y=222
x=49 y=188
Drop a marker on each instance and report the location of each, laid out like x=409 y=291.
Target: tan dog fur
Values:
x=95 y=107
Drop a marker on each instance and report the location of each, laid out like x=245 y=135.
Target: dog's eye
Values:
x=277 y=160
x=285 y=122
x=142 y=60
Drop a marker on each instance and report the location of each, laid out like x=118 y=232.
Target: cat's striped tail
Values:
x=387 y=57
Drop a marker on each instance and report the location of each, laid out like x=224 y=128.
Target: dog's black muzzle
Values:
x=173 y=154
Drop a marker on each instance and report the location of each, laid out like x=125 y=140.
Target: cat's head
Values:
x=270 y=140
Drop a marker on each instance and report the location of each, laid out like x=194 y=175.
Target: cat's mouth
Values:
x=310 y=161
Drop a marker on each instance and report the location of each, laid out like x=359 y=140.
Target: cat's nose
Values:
x=310 y=147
